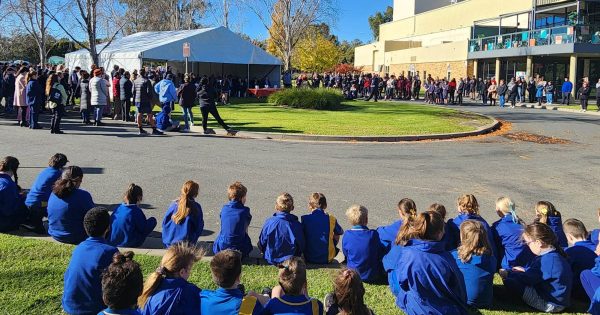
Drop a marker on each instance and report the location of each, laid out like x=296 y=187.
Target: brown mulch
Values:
x=530 y=137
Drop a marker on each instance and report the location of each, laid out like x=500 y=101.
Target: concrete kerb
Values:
x=558 y=108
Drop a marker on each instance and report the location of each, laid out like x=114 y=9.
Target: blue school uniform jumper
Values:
x=555 y=223
x=174 y=296
x=42 y=187
x=82 y=280
x=110 y=311
x=189 y=230
x=363 y=251
x=228 y=302
x=453 y=231
x=391 y=263
x=547 y=279
x=479 y=277
x=129 y=227
x=595 y=304
x=590 y=279
x=281 y=238
x=235 y=219
x=512 y=251
x=65 y=216
x=388 y=233
x=12 y=213
x=581 y=256
x=319 y=230
x=293 y=304
x=429 y=280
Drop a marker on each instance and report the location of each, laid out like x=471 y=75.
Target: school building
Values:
x=488 y=38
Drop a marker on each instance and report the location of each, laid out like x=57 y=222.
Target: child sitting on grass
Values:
x=122 y=284
x=226 y=269
x=441 y=210
x=281 y=237
x=476 y=263
x=581 y=253
x=235 y=219
x=387 y=234
x=507 y=236
x=321 y=232
x=348 y=295
x=291 y=296
x=167 y=290
x=183 y=221
x=468 y=209
x=545 y=284
x=547 y=214
x=595 y=234
x=129 y=224
x=362 y=247
x=82 y=281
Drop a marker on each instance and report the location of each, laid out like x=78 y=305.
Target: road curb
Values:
x=558 y=108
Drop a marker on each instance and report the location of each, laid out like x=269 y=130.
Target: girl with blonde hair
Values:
x=507 y=236
x=468 y=209
x=387 y=234
x=184 y=220
x=546 y=213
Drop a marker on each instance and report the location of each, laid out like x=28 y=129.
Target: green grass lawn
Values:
x=31 y=280
x=591 y=108
x=354 y=118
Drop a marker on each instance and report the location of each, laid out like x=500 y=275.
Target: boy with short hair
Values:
x=321 y=230
x=581 y=252
x=281 y=237
x=361 y=246
x=226 y=269
x=235 y=219
x=83 y=288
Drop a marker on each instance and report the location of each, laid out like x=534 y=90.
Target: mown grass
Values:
x=31 y=280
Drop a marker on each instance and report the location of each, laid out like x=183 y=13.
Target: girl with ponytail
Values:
x=387 y=234
x=507 y=236
x=167 y=290
x=129 y=224
x=546 y=283
x=348 y=295
x=67 y=206
x=184 y=220
x=546 y=213
x=427 y=279
x=468 y=209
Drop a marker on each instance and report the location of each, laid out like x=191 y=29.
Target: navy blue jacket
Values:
x=582 y=257
x=65 y=216
x=42 y=187
x=34 y=93
x=187 y=231
x=429 y=280
x=555 y=223
x=363 y=251
x=388 y=233
x=110 y=311
x=479 y=277
x=550 y=275
x=595 y=304
x=293 y=304
x=82 y=286
x=281 y=238
x=320 y=228
x=10 y=216
x=129 y=227
x=453 y=231
x=512 y=251
x=235 y=219
x=174 y=296
x=228 y=302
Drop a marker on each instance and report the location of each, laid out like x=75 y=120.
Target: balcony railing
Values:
x=539 y=37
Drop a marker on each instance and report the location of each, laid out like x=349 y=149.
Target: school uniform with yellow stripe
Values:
x=229 y=302
x=320 y=228
x=293 y=304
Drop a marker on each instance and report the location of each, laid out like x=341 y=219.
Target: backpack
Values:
x=55 y=96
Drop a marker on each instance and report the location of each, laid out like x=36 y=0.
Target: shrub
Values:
x=307 y=98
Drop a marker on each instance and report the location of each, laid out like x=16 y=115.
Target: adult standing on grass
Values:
x=19 y=97
x=142 y=95
x=207 y=94
x=187 y=97
x=566 y=90
x=374 y=88
x=98 y=95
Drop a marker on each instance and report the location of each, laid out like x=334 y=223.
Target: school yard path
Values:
x=566 y=171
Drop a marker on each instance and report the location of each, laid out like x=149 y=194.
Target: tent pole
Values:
x=248 y=77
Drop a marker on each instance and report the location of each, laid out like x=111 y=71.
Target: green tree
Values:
x=380 y=18
x=347 y=50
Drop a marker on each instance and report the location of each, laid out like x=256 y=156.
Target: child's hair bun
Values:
x=120 y=258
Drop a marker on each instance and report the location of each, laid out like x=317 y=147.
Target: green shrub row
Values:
x=307 y=98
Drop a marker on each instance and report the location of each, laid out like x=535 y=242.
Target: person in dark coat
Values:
x=143 y=94
x=374 y=88
x=125 y=86
x=34 y=98
x=187 y=97
x=207 y=94
x=83 y=90
x=584 y=95
x=8 y=89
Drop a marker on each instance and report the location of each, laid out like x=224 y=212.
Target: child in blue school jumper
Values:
x=546 y=213
x=590 y=281
x=235 y=219
x=129 y=224
x=387 y=234
x=37 y=198
x=290 y=297
x=362 y=247
x=67 y=207
x=546 y=283
x=167 y=290
x=82 y=281
x=12 y=208
x=581 y=253
x=468 y=209
x=122 y=284
x=229 y=298
x=507 y=236
x=348 y=295
x=183 y=221
x=321 y=232
x=429 y=281
x=595 y=234
x=475 y=261
x=281 y=236
x=441 y=210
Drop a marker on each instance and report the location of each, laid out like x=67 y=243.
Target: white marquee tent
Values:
x=216 y=51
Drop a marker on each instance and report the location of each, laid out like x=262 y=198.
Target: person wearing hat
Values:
x=98 y=95
x=142 y=96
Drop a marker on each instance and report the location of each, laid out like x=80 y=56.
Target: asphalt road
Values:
x=373 y=174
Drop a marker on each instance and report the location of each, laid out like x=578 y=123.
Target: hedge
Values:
x=307 y=98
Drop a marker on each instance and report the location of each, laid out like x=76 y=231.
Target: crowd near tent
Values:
x=213 y=51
